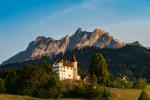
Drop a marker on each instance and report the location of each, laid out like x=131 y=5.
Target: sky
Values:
x=21 y=21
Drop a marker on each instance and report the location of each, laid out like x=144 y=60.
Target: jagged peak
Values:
x=99 y=30
x=49 y=46
x=79 y=30
x=67 y=37
x=40 y=38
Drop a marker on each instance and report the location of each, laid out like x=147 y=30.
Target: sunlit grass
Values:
x=116 y=94
x=124 y=94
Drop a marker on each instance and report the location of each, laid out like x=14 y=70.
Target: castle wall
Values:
x=64 y=72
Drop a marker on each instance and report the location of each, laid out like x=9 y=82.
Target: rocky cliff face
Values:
x=43 y=46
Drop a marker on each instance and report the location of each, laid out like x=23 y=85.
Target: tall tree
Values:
x=99 y=67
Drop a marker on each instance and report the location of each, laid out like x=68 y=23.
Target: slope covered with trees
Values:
x=132 y=61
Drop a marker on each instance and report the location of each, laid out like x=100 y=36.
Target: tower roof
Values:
x=73 y=58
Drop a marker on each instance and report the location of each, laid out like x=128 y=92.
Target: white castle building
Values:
x=66 y=69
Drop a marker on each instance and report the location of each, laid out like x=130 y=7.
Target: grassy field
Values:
x=124 y=94
x=116 y=94
x=18 y=97
x=14 y=97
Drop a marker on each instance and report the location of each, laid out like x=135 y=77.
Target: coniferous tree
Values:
x=99 y=67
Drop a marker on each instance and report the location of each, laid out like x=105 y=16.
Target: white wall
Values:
x=64 y=72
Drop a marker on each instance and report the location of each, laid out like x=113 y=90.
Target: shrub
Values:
x=119 y=83
x=144 y=95
x=140 y=84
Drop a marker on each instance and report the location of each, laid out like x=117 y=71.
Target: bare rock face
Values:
x=98 y=38
x=49 y=46
x=43 y=46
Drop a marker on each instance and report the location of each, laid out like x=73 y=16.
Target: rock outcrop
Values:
x=43 y=46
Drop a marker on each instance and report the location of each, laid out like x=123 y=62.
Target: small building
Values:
x=67 y=69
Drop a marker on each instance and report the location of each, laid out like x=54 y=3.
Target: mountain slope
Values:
x=129 y=60
x=132 y=61
x=43 y=46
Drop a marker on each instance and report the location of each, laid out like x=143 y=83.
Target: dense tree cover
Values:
x=35 y=78
x=132 y=61
x=99 y=68
x=2 y=86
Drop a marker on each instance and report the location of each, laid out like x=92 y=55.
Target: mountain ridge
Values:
x=43 y=46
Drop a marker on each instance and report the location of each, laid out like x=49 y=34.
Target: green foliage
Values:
x=119 y=83
x=129 y=60
x=37 y=79
x=144 y=95
x=2 y=86
x=93 y=79
x=94 y=91
x=140 y=84
x=11 y=80
x=99 y=67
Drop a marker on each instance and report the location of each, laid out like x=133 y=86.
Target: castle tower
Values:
x=75 y=67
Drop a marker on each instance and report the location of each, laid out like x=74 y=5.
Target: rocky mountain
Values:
x=136 y=43
x=43 y=46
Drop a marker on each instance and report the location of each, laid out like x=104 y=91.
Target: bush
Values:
x=140 y=84
x=119 y=83
x=97 y=92
x=144 y=95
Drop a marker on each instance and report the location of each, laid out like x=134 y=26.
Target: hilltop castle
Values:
x=67 y=69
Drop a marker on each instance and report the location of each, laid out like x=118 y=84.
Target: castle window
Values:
x=69 y=75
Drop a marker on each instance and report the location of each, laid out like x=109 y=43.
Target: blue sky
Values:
x=21 y=21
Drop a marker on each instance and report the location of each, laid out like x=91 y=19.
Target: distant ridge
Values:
x=136 y=43
x=43 y=46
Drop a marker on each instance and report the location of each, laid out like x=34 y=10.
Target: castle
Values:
x=67 y=69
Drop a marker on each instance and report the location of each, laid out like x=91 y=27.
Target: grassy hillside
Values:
x=124 y=94
x=117 y=94
x=15 y=97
